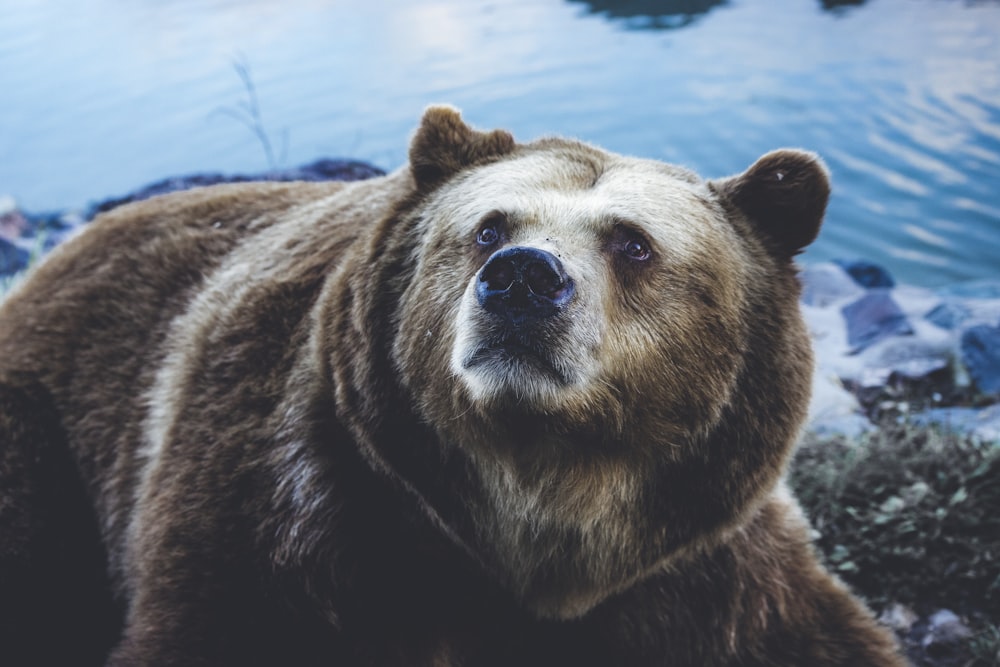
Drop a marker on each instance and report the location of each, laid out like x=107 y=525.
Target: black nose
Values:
x=523 y=285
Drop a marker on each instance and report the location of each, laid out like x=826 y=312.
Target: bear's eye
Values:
x=636 y=248
x=490 y=230
x=488 y=236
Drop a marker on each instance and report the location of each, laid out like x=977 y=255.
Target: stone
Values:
x=12 y=258
x=874 y=317
x=984 y=311
x=918 y=364
x=327 y=169
x=980 y=347
x=13 y=224
x=833 y=410
x=915 y=301
x=945 y=631
x=899 y=617
x=827 y=283
x=866 y=274
x=948 y=314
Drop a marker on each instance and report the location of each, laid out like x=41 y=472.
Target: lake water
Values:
x=901 y=97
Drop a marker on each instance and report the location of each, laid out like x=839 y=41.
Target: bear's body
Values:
x=513 y=405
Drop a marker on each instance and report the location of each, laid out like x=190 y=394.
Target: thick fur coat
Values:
x=513 y=404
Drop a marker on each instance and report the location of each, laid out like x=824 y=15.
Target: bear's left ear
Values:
x=444 y=145
x=784 y=195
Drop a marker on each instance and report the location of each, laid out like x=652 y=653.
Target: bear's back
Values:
x=93 y=324
x=109 y=290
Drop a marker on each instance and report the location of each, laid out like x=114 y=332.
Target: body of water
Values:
x=901 y=97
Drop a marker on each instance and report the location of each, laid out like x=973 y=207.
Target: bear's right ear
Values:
x=444 y=145
x=784 y=195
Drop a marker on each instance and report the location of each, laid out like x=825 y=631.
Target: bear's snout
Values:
x=523 y=285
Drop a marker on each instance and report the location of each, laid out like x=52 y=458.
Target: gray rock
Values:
x=945 y=631
x=981 y=355
x=827 y=283
x=12 y=258
x=833 y=410
x=948 y=314
x=872 y=318
x=13 y=224
x=899 y=617
x=866 y=273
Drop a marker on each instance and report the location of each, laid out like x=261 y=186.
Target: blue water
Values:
x=901 y=97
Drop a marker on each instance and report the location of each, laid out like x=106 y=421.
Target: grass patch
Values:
x=911 y=515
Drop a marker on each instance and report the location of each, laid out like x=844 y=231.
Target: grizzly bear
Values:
x=513 y=404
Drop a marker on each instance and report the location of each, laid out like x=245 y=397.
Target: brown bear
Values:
x=513 y=404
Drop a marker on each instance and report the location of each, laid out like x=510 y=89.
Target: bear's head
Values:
x=602 y=356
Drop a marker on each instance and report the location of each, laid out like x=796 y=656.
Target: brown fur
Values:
x=272 y=400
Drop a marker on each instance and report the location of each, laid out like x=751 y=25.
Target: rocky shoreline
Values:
x=931 y=356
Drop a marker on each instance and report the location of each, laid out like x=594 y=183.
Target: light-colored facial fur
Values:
x=571 y=213
x=569 y=209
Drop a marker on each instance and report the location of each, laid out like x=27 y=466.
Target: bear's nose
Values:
x=523 y=284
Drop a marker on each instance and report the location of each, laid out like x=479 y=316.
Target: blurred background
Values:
x=901 y=97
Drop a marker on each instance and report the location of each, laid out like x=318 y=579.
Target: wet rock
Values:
x=874 y=317
x=980 y=347
x=866 y=274
x=899 y=617
x=948 y=314
x=827 y=283
x=945 y=633
x=911 y=358
x=910 y=369
x=328 y=170
x=834 y=410
x=12 y=222
x=12 y=258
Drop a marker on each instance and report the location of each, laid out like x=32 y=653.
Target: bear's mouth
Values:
x=510 y=356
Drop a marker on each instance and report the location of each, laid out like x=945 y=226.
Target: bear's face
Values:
x=568 y=280
x=610 y=347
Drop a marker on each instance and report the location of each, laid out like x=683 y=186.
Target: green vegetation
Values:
x=911 y=515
